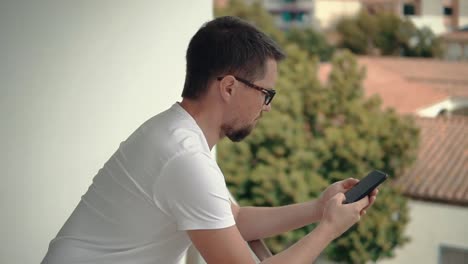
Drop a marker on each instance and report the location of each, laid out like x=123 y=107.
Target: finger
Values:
x=371 y=202
x=363 y=212
x=374 y=192
x=361 y=204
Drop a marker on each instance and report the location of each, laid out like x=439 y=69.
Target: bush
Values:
x=386 y=34
x=311 y=41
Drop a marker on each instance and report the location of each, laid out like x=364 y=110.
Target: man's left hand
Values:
x=343 y=186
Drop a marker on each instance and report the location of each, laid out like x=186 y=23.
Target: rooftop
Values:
x=448 y=77
x=410 y=84
x=440 y=172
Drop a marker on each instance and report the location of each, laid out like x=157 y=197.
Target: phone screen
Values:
x=365 y=186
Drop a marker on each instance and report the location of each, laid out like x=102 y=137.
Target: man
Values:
x=161 y=191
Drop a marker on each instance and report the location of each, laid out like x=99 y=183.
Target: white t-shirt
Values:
x=160 y=182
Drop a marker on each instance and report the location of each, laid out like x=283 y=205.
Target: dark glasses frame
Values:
x=269 y=93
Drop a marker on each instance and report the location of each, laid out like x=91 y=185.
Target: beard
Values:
x=236 y=135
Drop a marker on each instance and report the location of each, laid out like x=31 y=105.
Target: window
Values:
x=448 y=11
x=452 y=255
x=409 y=9
x=293 y=16
x=287 y=16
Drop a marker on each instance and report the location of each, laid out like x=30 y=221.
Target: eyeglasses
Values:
x=269 y=93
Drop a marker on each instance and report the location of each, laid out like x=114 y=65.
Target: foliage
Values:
x=358 y=33
x=351 y=135
x=255 y=14
x=424 y=44
x=311 y=41
x=387 y=34
x=318 y=134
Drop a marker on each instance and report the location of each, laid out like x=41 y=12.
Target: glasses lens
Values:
x=269 y=96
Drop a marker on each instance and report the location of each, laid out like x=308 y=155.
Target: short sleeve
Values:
x=192 y=190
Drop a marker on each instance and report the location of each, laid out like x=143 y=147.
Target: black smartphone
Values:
x=365 y=186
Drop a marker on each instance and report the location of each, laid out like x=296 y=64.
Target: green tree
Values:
x=311 y=41
x=387 y=34
x=255 y=14
x=358 y=33
x=318 y=134
x=351 y=135
x=423 y=43
x=389 y=38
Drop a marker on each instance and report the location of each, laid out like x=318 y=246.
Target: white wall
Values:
x=77 y=77
x=434 y=22
x=328 y=12
x=431 y=16
x=432 y=226
x=463 y=21
x=463 y=18
x=431 y=7
x=449 y=105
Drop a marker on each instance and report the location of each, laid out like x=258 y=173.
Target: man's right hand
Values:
x=226 y=245
x=338 y=217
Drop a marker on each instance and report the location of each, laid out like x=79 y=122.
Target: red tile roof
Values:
x=447 y=77
x=440 y=172
x=410 y=84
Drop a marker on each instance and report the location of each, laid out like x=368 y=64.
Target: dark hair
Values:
x=226 y=45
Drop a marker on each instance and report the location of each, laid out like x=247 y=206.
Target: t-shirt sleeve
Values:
x=192 y=190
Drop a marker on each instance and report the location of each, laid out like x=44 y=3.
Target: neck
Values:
x=207 y=117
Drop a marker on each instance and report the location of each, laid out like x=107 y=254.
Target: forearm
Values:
x=305 y=250
x=260 y=222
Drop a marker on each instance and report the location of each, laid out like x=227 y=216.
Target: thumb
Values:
x=348 y=183
x=339 y=197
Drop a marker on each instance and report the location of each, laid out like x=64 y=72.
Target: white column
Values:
x=77 y=77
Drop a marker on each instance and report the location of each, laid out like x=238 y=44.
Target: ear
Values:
x=226 y=87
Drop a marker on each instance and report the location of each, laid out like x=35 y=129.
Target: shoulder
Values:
x=172 y=133
x=191 y=167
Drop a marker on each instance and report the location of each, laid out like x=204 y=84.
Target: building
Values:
x=440 y=16
x=456 y=44
x=437 y=184
x=291 y=13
